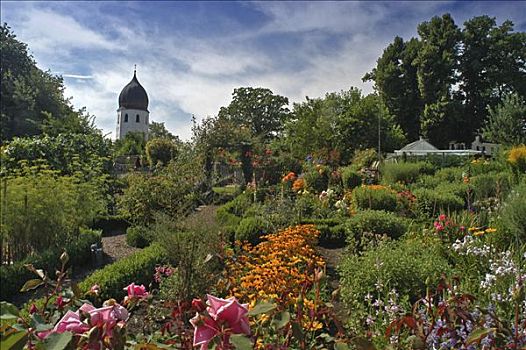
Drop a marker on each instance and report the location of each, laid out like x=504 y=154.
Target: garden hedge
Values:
x=15 y=275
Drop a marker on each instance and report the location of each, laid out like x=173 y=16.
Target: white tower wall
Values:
x=138 y=120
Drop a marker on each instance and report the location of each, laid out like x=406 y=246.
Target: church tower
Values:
x=133 y=114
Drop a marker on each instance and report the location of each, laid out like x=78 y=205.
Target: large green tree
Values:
x=506 y=123
x=32 y=100
x=396 y=82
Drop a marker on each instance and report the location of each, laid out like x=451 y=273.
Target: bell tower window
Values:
x=126 y=118
x=137 y=118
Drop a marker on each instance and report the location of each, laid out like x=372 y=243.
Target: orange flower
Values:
x=298 y=185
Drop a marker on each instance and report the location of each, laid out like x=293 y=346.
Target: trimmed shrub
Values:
x=111 y=223
x=401 y=265
x=351 y=178
x=138 y=268
x=377 y=222
x=139 y=236
x=250 y=229
x=511 y=224
x=374 y=197
x=332 y=231
x=404 y=172
x=431 y=202
x=15 y=275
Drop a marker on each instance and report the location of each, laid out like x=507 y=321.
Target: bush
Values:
x=79 y=250
x=250 y=229
x=317 y=179
x=138 y=267
x=404 y=172
x=374 y=197
x=363 y=158
x=430 y=202
x=491 y=185
x=351 y=178
x=377 y=222
x=161 y=151
x=512 y=219
x=333 y=232
x=401 y=265
x=110 y=223
x=139 y=236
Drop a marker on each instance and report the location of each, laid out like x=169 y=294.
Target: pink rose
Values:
x=135 y=291
x=442 y=217
x=227 y=312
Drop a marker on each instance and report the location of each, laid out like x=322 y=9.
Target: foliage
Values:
x=512 y=218
x=351 y=178
x=138 y=236
x=250 y=229
x=33 y=100
x=505 y=123
x=66 y=153
x=14 y=275
x=137 y=267
x=377 y=222
x=161 y=150
x=376 y=197
x=316 y=178
x=159 y=131
x=406 y=266
x=491 y=185
x=134 y=143
x=404 y=172
x=517 y=158
x=42 y=210
x=430 y=202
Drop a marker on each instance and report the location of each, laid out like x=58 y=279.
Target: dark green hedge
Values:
x=138 y=268
x=14 y=276
x=332 y=231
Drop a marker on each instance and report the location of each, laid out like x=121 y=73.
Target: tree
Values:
x=506 y=123
x=161 y=150
x=132 y=144
x=491 y=65
x=158 y=130
x=30 y=97
x=341 y=123
x=259 y=110
x=395 y=78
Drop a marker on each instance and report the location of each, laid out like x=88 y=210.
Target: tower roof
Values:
x=133 y=95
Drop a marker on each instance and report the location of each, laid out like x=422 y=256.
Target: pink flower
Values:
x=94 y=290
x=438 y=226
x=222 y=312
x=442 y=217
x=105 y=317
x=33 y=309
x=198 y=305
x=60 y=302
x=135 y=291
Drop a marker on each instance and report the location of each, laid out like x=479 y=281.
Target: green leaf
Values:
x=31 y=284
x=282 y=320
x=297 y=331
x=241 y=342
x=262 y=308
x=341 y=346
x=14 y=341
x=8 y=309
x=58 y=341
x=477 y=335
x=363 y=344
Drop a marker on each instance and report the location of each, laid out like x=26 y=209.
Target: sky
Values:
x=190 y=56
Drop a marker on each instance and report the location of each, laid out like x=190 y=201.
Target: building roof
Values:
x=133 y=96
x=419 y=145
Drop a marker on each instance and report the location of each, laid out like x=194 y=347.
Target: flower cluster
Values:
x=291 y=176
x=161 y=272
x=447 y=229
x=98 y=323
x=298 y=185
x=279 y=268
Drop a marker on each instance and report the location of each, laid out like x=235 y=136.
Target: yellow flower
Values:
x=478 y=233
x=490 y=230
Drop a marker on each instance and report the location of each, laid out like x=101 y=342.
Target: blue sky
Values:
x=191 y=55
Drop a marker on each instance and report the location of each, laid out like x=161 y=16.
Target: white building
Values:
x=486 y=148
x=133 y=114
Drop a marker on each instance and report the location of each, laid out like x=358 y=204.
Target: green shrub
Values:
x=250 y=229
x=139 y=236
x=377 y=222
x=491 y=185
x=333 y=232
x=161 y=151
x=317 y=180
x=351 y=178
x=110 y=223
x=511 y=224
x=363 y=158
x=458 y=189
x=138 y=268
x=430 y=202
x=401 y=265
x=404 y=172
x=374 y=197
x=79 y=250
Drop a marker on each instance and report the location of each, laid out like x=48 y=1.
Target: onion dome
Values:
x=133 y=96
